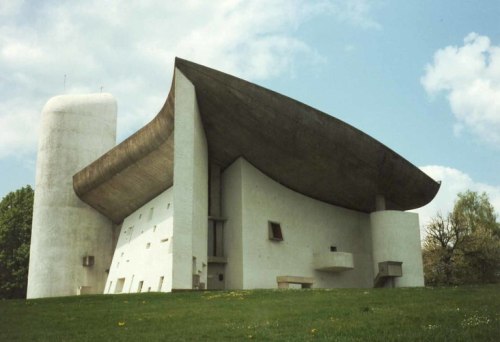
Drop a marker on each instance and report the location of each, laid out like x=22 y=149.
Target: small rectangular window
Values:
x=119 y=285
x=275 y=232
x=139 y=287
x=333 y=248
x=148 y=245
x=151 y=211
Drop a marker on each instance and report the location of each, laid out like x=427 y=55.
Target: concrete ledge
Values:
x=285 y=281
x=333 y=261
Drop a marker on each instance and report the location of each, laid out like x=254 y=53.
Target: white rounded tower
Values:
x=71 y=243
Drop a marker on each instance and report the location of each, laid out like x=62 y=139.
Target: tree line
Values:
x=463 y=247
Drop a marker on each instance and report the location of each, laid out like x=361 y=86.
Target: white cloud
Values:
x=128 y=48
x=453 y=182
x=470 y=76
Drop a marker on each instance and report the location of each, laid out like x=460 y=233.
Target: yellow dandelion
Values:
x=314 y=331
x=121 y=324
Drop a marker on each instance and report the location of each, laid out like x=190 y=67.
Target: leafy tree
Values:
x=16 y=211
x=464 y=246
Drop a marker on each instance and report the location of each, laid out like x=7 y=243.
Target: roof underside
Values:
x=298 y=146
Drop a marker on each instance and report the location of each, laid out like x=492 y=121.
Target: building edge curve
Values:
x=75 y=130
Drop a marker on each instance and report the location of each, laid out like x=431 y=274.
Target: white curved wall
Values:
x=250 y=200
x=396 y=237
x=75 y=130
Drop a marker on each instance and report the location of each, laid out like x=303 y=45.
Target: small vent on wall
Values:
x=88 y=261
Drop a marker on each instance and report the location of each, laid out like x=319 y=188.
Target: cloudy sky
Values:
x=421 y=76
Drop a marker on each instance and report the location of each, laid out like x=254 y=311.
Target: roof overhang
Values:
x=298 y=146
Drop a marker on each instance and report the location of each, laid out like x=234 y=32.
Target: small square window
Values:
x=275 y=232
x=148 y=245
x=333 y=248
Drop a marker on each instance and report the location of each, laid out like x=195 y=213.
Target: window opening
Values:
x=160 y=283
x=333 y=248
x=139 y=288
x=151 y=211
x=275 y=232
x=119 y=285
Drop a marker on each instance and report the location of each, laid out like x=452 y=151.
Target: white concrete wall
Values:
x=309 y=226
x=396 y=237
x=144 y=249
x=231 y=201
x=75 y=130
x=190 y=188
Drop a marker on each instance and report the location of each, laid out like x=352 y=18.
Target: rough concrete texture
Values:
x=75 y=130
x=298 y=146
x=134 y=172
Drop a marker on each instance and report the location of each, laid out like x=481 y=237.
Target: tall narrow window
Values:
x=275 y=232
x=151 y=211
x=139 y=288
x=160 y=283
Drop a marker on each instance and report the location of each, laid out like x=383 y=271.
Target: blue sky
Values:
x=422 y=77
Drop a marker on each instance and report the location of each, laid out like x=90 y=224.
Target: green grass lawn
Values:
x=418 y=314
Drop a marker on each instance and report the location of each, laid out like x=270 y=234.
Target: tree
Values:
x=16 y=212
x=464 y=246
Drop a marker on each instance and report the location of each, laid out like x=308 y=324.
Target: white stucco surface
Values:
x=231 y=193
x=75 y=130
x=396 y=237
x=144 y=249
x=309 y=227
x=190 y=194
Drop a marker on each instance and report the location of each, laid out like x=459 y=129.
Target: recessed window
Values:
x=140 y=216
x=168 y=206
x=154 y=228
x=151 y=211
x=160 y=283
x=148 y=245
x=275 y=232
x=119 y=285
x=139 y=287
x=333 y=248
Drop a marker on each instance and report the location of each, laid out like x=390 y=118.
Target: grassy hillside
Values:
x=421 y=314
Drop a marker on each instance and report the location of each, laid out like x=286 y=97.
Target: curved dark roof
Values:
x=298 y=146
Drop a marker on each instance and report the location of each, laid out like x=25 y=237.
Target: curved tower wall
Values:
x=75 y=130
x=396 y=237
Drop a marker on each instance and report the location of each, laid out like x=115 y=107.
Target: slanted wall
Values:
x=190 y=188
x=142 y=261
